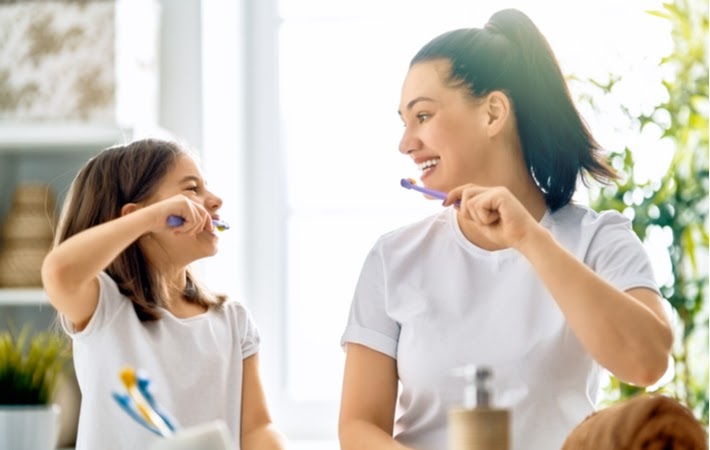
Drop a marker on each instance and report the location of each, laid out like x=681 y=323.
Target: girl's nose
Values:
x=213 y=202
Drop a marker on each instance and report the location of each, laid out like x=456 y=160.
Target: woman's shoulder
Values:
x=586 y=218
x=417 y=229
x=583 y=228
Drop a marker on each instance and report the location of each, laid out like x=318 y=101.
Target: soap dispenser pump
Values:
x=477 y=425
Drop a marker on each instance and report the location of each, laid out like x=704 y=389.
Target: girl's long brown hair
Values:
x=116 y=176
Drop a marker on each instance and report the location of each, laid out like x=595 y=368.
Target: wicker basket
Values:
x=21 y=267
x=26 y=236
x=25 y=226
x=33 y=196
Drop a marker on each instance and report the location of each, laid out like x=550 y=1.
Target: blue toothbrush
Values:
x=125 y=402
x=140 y=404
x=176 y=221
x=143 y=383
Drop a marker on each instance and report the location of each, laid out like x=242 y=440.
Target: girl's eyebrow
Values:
x=190 y=178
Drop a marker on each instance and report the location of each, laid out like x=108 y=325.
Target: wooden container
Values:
x=479 y=429
x=26 y=236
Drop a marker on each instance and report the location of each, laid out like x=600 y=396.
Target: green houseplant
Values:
x=677 y=203
x=31 y=365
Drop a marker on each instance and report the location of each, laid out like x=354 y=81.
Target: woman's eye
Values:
x=192 y=188
x=421 y=117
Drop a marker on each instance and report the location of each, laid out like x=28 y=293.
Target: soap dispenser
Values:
x=477 y=425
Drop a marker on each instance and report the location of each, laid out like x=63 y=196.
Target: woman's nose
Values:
x=409 y=142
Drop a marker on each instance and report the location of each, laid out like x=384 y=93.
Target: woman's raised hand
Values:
x=496 y=212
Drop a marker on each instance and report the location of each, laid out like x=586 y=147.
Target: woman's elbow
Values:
x=651 y=373
x=650 y=368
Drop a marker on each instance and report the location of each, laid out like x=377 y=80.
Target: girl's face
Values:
x=444 y=128
x=185 y=178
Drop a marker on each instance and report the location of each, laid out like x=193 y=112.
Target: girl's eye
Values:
x=192 y=188
x=421 y=117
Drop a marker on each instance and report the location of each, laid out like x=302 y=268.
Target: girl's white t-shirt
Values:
x=194 y=364
x=435 y=302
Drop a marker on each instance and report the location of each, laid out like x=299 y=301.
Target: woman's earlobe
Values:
x=498 y=111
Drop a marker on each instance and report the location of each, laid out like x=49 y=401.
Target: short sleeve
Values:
x=368 y=321
x=109 y=303
x=248 y=332
x=618 y=255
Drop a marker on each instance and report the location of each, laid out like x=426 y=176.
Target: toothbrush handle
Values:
x=430 y=192
x=144 y=387
x=124 y=402
x=176 y=221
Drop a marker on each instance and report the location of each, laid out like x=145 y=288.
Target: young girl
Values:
x=511 y=275
x=118 y=275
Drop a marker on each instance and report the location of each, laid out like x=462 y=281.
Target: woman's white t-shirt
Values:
x=194 y=364
x=434 y=301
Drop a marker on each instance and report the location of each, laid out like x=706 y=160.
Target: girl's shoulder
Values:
x=235 y=311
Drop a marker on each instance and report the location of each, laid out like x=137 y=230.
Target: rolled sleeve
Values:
x=368 y=322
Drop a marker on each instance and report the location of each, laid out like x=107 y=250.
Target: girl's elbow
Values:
x=51 y=270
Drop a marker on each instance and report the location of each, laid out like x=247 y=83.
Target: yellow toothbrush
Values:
x=129 y=379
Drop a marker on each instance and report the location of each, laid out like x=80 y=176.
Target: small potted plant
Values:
x=31 y=364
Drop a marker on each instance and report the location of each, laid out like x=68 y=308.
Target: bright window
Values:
x=320 y=167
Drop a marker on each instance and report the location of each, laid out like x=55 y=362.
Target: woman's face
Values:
x=444 y=131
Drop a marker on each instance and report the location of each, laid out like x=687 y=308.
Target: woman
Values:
x=512 y=274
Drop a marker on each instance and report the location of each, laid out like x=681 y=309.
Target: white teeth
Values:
x=426 y=164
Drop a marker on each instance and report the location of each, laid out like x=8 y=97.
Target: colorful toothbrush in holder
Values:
x=139 y=403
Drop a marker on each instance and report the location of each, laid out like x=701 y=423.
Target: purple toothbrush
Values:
x=411 y=184
x=176 y=221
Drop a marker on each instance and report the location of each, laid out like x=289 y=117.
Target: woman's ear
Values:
x=498 y=111
x=129 y=208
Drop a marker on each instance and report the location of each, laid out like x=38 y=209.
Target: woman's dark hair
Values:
x=511 y=55
x=117 y=176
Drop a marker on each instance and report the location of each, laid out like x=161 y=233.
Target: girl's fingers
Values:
x=194 y=221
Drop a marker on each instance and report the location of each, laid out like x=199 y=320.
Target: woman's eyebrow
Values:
x=414 y=101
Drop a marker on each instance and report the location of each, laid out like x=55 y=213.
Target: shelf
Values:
x=23 y=297
x=59 y=137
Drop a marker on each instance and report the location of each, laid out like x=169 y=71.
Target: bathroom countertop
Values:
x=292 y=445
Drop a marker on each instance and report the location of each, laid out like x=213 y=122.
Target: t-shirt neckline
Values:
x=493 y=255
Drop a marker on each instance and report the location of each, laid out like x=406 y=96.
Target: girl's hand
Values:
x=195 y=217
x=495 y=211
